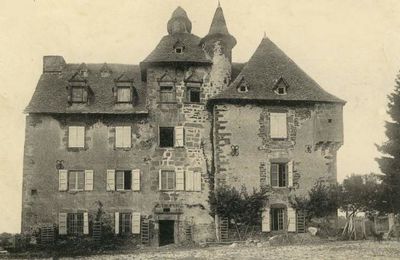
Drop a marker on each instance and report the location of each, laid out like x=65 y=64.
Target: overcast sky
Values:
x=351 y=47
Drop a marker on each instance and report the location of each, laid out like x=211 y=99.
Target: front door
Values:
x=166 y=235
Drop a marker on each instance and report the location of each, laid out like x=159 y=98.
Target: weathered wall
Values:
x=247 y=127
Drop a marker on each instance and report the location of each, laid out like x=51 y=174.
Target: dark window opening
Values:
x=79 y=95
x=75 y=223
x=123 y=180
x=277 y=219
x=167 y=93
x=329 y=120
x=166 y=229
x=166 y=136
x=34 y=192
x=194 y=95
x=125 y=220
x=243 y=88
x=278 y=174
x=179 y=49
x=281 y=91
x=166 y=210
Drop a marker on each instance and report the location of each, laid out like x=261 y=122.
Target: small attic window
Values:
x=281 y=87
x=281 y=90
x=179 y=49
x=243 y=89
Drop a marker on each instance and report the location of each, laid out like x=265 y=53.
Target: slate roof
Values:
x=263 y=71
x=51 y=95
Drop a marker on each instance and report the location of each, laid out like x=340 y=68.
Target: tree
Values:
x=389 y=162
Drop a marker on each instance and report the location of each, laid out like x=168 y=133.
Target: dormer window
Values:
x=83 y=70
x=179 y=50
x=179 y=47
x=243 y=87
x=281 y=87
x=124 y=91
x=78 y=95
x=105 y=71
x=124 y=95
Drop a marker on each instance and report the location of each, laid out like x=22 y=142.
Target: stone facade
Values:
x=222 y=142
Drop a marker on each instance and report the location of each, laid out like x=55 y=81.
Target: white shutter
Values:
x=136 y=180
x=85 y=223
x=197 y=181
x=135 y=223
x=290 y=174
x=291 y=212
x=179 y=179
x=127 y=137
x=72 y=136
x=62 y=223
x=278 y=125
x=265 y=226
x=179 y=136
x=268 y=174
x=119 y=139
x=159 y=180
x=116 y=223
x=80 y=136
x=89 y=180
x=62 y=180
x=110 y=180
x=189 y=181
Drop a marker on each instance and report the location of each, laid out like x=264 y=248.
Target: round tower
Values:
x=218 y=45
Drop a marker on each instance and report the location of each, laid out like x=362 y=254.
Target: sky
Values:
x=350 y=47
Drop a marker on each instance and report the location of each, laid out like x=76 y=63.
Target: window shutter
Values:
x=62 y=180
x=119 y=136
x=159 y=180
x=80 y=136
x=85 y=223
x=273 y=125
x=268 y=174
x=110 y=180
x=136 y=180
x=290 y=174
x=180 y=179
x=291 y=212
x=265 y=221
x=127 y=142
x=197 y=181
x=62 y=223
x=179 y=136
x=189 y=180
x=116 y=223
x=282 y=125
x=278 y=125
x=72 y=136
x=135 y=223
x=274 y=175
x=89 y=180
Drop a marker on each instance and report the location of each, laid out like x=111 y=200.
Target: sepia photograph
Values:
x=213 y=129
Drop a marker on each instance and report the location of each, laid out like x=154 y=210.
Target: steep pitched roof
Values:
x=264 y=69
x=51 y=95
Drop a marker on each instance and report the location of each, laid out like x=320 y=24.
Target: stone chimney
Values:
x=53 y=64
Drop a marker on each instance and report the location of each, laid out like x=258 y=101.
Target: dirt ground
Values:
x=330 y=250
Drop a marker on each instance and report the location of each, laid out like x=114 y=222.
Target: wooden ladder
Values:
x=145 y=232
x=96 y=231
x=223 y=229
x=189 y=232
x=47 y=234
x=301 y=222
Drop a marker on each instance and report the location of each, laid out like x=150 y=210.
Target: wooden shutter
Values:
x=274 y=175
x=136 y=180
x=72 y=136
x=127 y=138
x=278 y=125
x=110 y=180
x=85 y=223
x=119 y=139
x=290 y=174
x=189 y=180
x=197 y=181
x=265 y=226
x=180 y=179
x=62 y=180
x=179 y=136
x=80 y=136
x=159 y=180
x=291 y=212
x=62 y=223
x=89 y=180
x=268 y=174
x=135 y=223
x=116 y=223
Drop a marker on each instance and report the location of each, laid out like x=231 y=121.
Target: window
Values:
x=281 y=90
x=193 y=94
x=277 y=219
x=125 y=220
x=79 y=95
x=75 y=223
x=76 y=180
x=124 y=95
x=279 y=174
x=123 y=137
x=123 y=180
x=167 y=180
x=167 y=93
x=278 y=125
x=166 y=136
x=243 y=88
x=76 y=136
x=179 y=50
